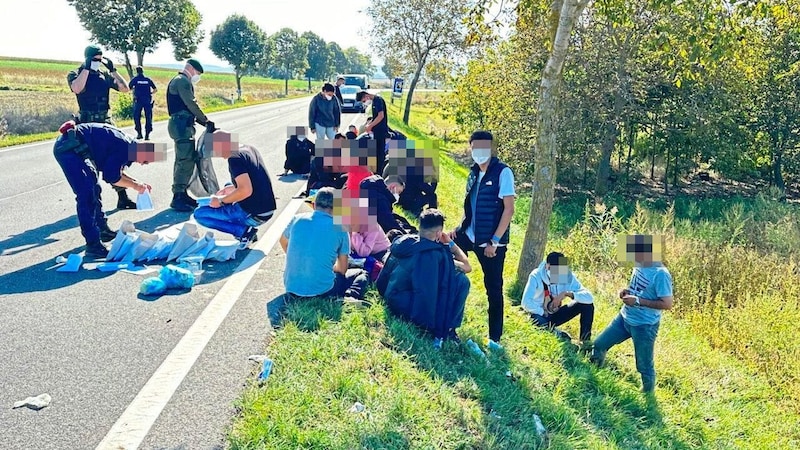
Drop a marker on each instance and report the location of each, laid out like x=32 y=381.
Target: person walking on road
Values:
x=91 y=87
x=83 y=150
x=183 y=112
x=143 y=89
x=325 y=114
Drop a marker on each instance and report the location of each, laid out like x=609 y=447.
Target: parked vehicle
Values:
x=355 y=79
x=349 y=103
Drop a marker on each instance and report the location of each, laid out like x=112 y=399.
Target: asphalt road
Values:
x=89 y=341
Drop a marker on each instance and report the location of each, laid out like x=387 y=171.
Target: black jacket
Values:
x=298 y=155
x=419 y=284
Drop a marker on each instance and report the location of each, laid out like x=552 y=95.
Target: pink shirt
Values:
x=369 y=242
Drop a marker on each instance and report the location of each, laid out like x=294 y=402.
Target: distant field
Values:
x=35 y=98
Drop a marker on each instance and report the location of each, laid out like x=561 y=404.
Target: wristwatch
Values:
x=637 y=302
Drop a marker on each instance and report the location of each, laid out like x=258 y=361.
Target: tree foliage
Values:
x=139 y=26
x=416 y=30
x=319 y=57
x=242 y=43
x=291 y=53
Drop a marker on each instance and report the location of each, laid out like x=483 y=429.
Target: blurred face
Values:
x=558 y=274
x=221 y=143
x=147 y=152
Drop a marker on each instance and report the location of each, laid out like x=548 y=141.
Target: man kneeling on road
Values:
x=245 y=203
x=316 y=254
x=547 y=288
x=424 y=279
x=84 y=149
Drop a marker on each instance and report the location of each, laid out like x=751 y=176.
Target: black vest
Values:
x=94 y=98
x=490 y=208
x=175 y=103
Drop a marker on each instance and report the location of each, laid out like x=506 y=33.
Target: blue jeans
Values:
x=644 y=339
x=231 y=219
x=324 y=132
x=82 y=178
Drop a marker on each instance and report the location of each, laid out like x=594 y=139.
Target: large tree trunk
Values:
x=128 y=65
x=414 y=80
x=544 y=156
x=238 y=84
x=612 y=130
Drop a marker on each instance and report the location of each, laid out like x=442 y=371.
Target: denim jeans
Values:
x=82 y=178
x=567 y=313
x=644 y=339
x=324 y=132
x=231 y=219
x=353 y=284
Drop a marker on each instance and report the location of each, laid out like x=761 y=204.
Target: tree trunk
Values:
x=128 y=65
x=666 y=172
x=631 y=144
x=286 y=85
x=414 y=80
x=239 y=84
x=612 y=131
x=546 y=148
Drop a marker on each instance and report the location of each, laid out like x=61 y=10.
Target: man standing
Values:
x=324 y=114
x=183 y=112
x=316 y=254
x=423 y=280
x=84 y=149
x=488 y=208
x=246 y=203
x=339 y=82
x=143 y=90
x=91 y=87
x=648 y=293
x=378 y=126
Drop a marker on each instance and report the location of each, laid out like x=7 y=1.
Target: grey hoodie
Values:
x=324 y=112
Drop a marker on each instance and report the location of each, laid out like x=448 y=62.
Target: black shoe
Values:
x=139 y=136
x=106 y=235
x=124 y=202
x=250 y=235
x=147 y=136
x=96 y=250
x=190 y=200
x=180 y=203
x=453 y=336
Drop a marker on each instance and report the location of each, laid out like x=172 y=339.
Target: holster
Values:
x=71 y=142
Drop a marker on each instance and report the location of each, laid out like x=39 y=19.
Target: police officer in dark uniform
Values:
x=82 y=151
x=143 y=89
x=183 y=112
x=91 y=87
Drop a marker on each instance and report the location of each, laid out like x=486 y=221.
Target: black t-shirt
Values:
x=141 y=85
x=378 y=105
x=247 y=160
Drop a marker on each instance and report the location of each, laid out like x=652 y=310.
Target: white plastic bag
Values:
x=144 y=202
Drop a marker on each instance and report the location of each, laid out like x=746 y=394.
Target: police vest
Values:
x=141 y=89
x=488 y=205
x=94 y=97
x=175 y=103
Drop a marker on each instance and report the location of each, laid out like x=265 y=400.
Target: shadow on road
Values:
x=36 y=237
x=43 y=277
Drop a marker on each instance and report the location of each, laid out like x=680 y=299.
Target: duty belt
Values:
x=94 y=117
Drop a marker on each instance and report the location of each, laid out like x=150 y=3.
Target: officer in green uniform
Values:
x=91 y=87
x=183 y=112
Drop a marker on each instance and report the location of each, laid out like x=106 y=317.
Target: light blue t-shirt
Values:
x=649 y=283
x=314 y=244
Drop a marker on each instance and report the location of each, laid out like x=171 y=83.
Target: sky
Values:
x=50 y=29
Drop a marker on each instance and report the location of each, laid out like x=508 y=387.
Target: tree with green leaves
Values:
x=138 y=26
x=319 y=57
x=291 y=54
x=242 y=43
x=358 y=62
x=338 y=59
x=416 y=30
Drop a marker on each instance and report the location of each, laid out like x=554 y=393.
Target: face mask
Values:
x=301 y=137
x=95 y=65
x=195 y=78
x=328 y=97
x=396 y=196
x=481 y=155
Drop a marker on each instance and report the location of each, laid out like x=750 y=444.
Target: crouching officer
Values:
x=91 y=87
x=183 y=112
x=82 y=151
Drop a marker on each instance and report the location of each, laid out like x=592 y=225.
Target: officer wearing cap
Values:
x=183 y=112
x=91 y=87
x=143 y=90
x=82 y=151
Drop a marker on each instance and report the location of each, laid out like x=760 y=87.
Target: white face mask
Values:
x=328 y=97
x=481 y=155
x=195 y=78
x=95 y=65
x=301 y=137
x=396 y=196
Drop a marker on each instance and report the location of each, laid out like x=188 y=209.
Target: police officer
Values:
x=183 y=112
x=91 y=87
x=143 y=89
x=82 y=151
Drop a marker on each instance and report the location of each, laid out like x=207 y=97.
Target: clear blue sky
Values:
x=49 y=29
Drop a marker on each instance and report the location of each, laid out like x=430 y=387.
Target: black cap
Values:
x=196 y=64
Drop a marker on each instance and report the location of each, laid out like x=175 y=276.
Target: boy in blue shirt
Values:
x=648 y=293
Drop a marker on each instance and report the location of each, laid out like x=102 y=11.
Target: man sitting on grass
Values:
x=424 y=279
x=547 y=288
x=316 y=254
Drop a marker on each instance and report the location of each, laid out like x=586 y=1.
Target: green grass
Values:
x=709 y=395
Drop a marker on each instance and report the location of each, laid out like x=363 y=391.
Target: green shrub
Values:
x=123 y=107
x=19 y=122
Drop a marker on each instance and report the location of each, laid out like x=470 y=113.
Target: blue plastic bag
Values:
x=176 y=277
x=153 y=286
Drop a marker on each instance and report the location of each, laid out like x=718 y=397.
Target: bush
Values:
x=123 y=107
x=20 y=122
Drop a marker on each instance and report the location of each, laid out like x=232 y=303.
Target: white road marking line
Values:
x=35 y=190
x=134 y=424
